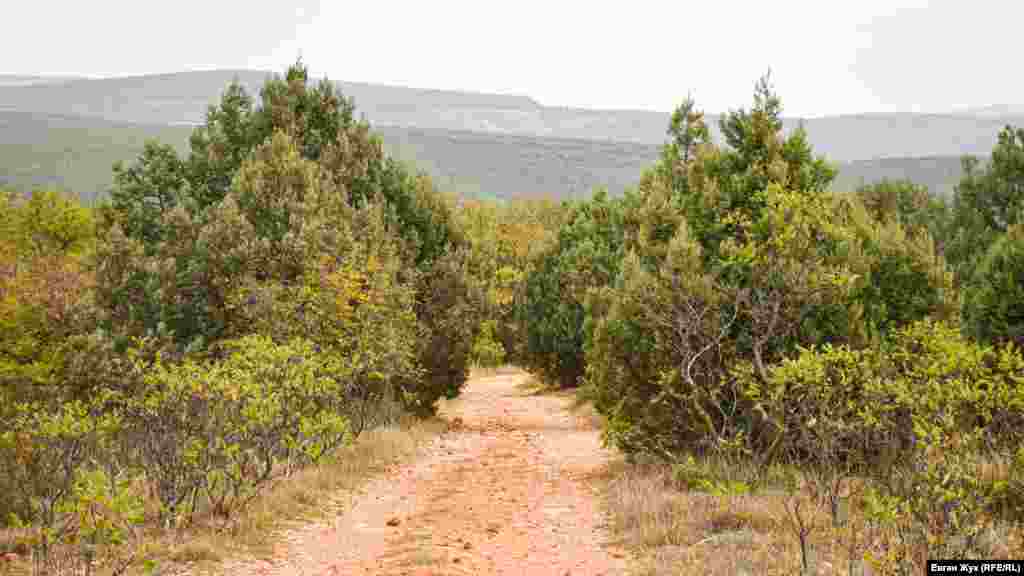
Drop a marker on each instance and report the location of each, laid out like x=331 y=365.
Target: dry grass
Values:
x=678 y=531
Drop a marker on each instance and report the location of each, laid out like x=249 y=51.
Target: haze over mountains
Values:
x=490 y=144
x=21 y=80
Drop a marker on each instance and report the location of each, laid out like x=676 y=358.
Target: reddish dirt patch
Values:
x=506 y=492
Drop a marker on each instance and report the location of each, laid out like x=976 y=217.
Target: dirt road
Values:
x=507 y=493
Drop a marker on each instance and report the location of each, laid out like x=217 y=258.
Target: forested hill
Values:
x=184 y=97
x=472 y=143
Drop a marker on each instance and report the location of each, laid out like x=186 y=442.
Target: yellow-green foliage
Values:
x=46 y=223
x=39 y=301
x=901 y=275
x=44 y=447
x=44 y=301
x=921 y=416
x=503 y=240
x=94 y=518
x=867 y=403
x=221 y=429
x=44 y=288
x=351 y=305
x=487 y=351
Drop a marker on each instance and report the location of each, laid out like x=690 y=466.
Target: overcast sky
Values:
x=826 y=56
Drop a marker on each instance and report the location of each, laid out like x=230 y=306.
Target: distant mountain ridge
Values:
x=67 y=131
x=23 y=80
x=1009 y=111
x=181 y=98
x=77 y=153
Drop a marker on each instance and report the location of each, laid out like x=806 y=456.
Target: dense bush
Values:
x=44 y=304
x=869 y=400
x=740 y=255
x=913 y=206
x=923 y=417
x=229 y=317
x=222 y=429
x=64 y=487
x=553 y=307
x=993 y=308
x=448 y=305
x=271 y=196
x=988 y=200
x=40 y=308
x=503 y=241
x=487 y=351
x=902 y=277
x=653 y=367
x=45 y=446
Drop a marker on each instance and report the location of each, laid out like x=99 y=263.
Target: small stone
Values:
x=394 y=521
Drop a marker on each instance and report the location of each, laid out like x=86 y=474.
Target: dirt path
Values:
x=507 y=494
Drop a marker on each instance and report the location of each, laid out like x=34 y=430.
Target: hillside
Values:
x=939 y=173
x=184 y=97
x=1012 y=111
x=509 y=165
x=71 y=152
x=14 y=80
x=77 y=154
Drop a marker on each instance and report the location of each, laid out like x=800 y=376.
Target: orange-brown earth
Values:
x=509 y=490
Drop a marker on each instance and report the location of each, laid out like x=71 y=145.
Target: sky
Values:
x=826 y=56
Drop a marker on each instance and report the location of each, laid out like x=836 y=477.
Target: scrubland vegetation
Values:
x=841 y=374
x=830 y=378
x=225 y=320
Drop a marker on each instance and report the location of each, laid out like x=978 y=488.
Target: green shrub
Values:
x=96 y=523
x=869 y=404
x=487 y=351
x=921 y=416
x=993 y=309
x=46 y=223
x=502 y=239
x=902 y=277
x=988 y=200
x=553 y=307
x=44 y=291
x=270 y=194
x=224 y=429
x=654 y=365
x=909 y=204
x=448 y=307
x=738 y=256
x=44 y=447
